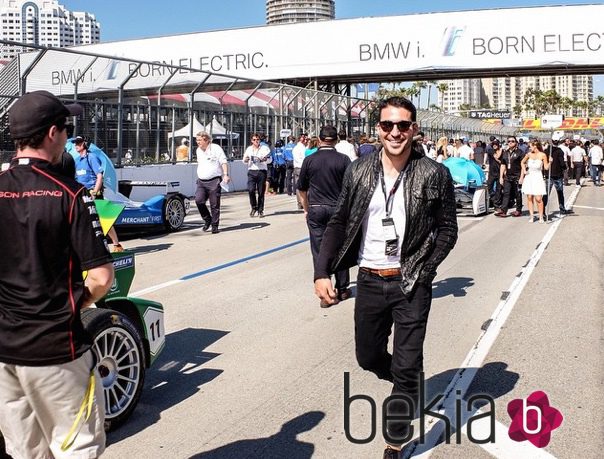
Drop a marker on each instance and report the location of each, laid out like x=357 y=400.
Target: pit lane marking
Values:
x=213 y=269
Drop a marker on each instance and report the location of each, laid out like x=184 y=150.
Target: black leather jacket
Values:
x=431 y=222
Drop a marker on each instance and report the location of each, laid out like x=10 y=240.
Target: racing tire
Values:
x=174 y=213
x=120 y=357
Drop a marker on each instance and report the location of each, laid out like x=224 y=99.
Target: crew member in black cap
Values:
x=50 y=233
x=319 y=186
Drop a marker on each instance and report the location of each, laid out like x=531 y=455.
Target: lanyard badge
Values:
x=390 y=235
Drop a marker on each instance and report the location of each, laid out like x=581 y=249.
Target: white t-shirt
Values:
x=347 y=149
x=209 y=162
x=373 y=243
x=299 y=153
x=257 y=157
x=595 y=153
x=465 y=152
x=577 y=154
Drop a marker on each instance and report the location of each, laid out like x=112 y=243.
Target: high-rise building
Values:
x=459 y=93
x=286 y=11
x=507 y=93
x=44 y=23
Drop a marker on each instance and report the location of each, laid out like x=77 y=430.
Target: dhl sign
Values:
x=568 y=124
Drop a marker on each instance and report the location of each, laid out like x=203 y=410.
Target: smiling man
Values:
x=396 y=219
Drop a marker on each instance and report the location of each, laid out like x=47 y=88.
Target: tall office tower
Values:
x=44 y=23
x=460 y=92
x=286 y=11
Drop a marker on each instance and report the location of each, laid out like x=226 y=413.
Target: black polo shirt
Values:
x=322 y=174
x=50 y=232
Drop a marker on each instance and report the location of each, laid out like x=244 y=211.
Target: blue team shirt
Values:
x=288 y=151
x=87 y=168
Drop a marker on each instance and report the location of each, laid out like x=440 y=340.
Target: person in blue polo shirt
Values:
x=279 y=166
x=89 y=172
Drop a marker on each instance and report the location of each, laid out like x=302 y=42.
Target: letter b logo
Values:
x=533 y=419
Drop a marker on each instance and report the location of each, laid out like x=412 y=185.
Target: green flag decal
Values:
x=108 y=212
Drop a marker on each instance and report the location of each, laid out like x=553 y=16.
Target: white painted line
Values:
x=589 y=207
x=156 y=287
x=460 y=383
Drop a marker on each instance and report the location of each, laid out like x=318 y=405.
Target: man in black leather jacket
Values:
x=396 y=219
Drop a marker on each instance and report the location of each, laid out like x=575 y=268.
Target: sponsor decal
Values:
x=140 y=220
x=123 y=263
x=451 y=36
x=31 y=194
x=490 y=114
x=568 y=124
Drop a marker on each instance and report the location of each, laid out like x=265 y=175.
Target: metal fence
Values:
x=138 y=112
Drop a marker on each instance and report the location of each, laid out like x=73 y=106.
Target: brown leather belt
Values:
x=387 y=272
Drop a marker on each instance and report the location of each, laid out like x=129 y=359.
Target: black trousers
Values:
x=379 y=304
x=578 y=168
x=256 y=184
x=209 y=189
x=289 y=177
x=318 y=217
x=495 y=190
x=279 y=178
x=511 y=191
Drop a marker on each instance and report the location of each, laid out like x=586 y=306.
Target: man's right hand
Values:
x=324 y=290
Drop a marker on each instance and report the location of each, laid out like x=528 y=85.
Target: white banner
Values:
x=486 y=40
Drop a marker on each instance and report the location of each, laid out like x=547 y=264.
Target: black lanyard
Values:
x=390 y=198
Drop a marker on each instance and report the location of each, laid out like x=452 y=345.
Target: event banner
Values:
x=568 y=124
x=480 y=41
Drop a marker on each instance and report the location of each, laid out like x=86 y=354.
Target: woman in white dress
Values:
x=531 y=178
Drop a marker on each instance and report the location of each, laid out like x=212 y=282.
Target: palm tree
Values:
x=442 y=88
x=518 y=109
x=420 y=85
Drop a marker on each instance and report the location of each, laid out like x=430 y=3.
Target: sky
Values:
x=130 y=19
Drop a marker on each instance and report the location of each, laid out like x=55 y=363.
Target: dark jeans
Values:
x=289 y=177
x=279 y=178
x=209 y=189
x=511 y=191
x=379 y=304
x=256 y=183
x=495 y=189
x=578 y=168
x=318 y=217
x=558 y=183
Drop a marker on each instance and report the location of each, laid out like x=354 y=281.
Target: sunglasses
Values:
x=511 y=141
x=388 y=126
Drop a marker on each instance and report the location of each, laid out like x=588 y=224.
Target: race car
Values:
x=161 y=208
x=166 y=210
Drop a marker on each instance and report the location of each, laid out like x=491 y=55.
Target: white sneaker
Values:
x=577 y=186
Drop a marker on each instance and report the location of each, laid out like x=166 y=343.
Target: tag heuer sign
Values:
x=491 y=114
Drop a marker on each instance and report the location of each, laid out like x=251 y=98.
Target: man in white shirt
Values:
x=211 y=171
x=577 y=157
x=345 y=147
x=257 y=157
x=595 y=157
x=464 y=150
x=299 y=154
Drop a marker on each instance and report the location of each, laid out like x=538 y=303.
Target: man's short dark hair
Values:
x=595 y=141
x=342 y=135
x=401 y=102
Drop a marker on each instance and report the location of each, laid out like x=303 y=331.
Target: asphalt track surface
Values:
x=253 y=368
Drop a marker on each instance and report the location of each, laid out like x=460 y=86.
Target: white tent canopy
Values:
x=186 y=130
x=218 y=131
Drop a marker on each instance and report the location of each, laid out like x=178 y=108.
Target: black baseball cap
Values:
x=328 y=133
x=36 y=111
